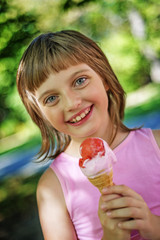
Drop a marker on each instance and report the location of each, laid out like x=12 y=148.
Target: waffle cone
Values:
x=103 y=180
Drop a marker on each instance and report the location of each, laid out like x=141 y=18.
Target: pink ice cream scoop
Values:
x=96 y=162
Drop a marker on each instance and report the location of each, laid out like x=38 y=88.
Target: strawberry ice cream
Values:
x=96 y=162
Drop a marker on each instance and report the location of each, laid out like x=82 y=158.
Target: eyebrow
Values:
x=77 y=72
x=72 y=75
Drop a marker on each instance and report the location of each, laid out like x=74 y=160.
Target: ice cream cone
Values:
x=103 y=180
x=96 y=162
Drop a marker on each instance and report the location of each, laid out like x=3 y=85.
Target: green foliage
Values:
x=17 y=188
x=16 y=31
x=132 y=69
x=18 y=208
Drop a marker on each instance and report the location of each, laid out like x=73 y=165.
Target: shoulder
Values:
x=156 y=134
x=47 y=185
x=49 y=193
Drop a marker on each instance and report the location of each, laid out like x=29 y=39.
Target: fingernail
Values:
x=119 y=224
x=105 y=190
x=108 y=213
x=103 y=206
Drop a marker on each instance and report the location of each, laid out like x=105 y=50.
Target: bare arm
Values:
x=54 y=218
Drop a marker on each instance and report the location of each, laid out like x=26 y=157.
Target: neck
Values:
x=73 y=148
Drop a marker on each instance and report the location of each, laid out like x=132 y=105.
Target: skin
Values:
x=49 y=195
x=72 y=95
x=62 y=98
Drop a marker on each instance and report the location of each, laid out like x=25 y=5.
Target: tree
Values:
x=16 y=29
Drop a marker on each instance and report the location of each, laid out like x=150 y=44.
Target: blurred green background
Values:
x=127 y=31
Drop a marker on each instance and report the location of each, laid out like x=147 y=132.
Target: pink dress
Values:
x=137 y=166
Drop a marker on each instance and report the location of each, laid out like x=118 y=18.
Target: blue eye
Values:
x=51 y=99
x=80 y=81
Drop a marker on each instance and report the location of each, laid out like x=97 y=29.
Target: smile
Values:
x=82 y=115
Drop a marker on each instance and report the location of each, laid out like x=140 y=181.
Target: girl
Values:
x=71 y=93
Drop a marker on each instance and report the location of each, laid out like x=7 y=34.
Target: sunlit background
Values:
x=128 y=33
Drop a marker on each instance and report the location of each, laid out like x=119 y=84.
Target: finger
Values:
x=104 y=200
x=110 y=197
x=131 y=224
x=129 y=213
x=122 y=202
x=121 y=190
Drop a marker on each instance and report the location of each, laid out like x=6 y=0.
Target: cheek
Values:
x=54 y=118
x=100 y=96
x=97 y=91
x=47 y=113
x=103 y=102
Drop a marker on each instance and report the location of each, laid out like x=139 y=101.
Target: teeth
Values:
x=78 y=118
x=83 y=115
x=87 y=111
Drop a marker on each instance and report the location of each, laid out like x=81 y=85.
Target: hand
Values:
x=111 y=231
x=130 y=211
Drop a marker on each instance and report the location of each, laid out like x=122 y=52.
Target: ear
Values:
x=106 y=86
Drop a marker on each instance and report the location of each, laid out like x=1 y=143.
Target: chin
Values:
x=91 y=133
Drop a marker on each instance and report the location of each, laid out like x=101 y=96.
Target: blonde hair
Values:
x=53 y=52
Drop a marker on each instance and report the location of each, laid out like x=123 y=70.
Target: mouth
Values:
x=84 y=115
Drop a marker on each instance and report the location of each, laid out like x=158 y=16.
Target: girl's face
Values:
x=75 y=102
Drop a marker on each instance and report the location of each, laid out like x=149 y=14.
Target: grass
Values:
x=141 y=110
x=149 y=106
x=29 y=143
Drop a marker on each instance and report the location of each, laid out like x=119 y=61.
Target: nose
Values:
x=71 y=101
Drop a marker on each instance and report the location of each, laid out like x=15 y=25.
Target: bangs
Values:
x=38 y=71
x=50 y=55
